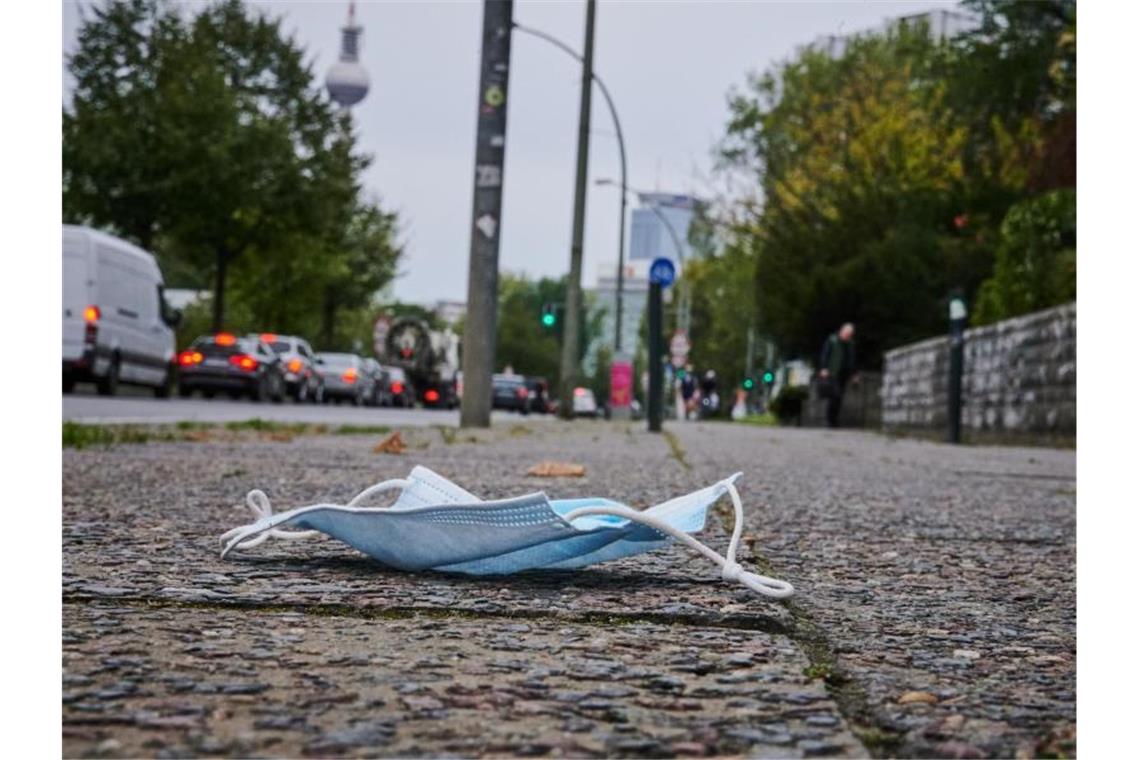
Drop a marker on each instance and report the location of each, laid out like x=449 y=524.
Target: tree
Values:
x=1036 y=263
x=523 y=342
x=882 y=175
x=858 y=161
x=208 y=140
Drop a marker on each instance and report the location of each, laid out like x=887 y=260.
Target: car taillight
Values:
x=431 y=395
x=244 y=362
x=295 y=365
x=349 y=376
x=189 y=358
x=91 y=314
x=521 y=392
x=224 y=339
x=397 y=387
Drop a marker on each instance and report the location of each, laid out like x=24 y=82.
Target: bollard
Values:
x=655 y=350
x=954 y=387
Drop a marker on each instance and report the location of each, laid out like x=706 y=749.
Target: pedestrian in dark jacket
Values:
x=836 y=367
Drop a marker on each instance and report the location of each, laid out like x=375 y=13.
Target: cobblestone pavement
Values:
x=934 y=614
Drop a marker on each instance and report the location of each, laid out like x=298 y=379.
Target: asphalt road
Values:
x=139 y=407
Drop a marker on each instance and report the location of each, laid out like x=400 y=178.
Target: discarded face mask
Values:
x=434 y=524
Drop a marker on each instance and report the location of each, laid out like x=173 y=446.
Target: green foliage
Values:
x=882 y=175
x=523 y=342
x=205 y=138
x=723 y=308
x=1036 y=259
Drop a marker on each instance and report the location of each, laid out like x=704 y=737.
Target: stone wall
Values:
x=1019 y=378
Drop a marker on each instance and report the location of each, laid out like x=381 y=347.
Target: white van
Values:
x=117 y=327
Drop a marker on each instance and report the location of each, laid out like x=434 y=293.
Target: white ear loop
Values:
x=731 y=570
x=249 y=536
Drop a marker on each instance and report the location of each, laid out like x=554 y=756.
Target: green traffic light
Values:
x=769 y=377
x=548 y=320
x=748 y=384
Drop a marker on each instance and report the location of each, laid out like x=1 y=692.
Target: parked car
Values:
x=510 y=392
x=345 y=378
x=117 y=327
x=539 y=394
x=585 y=404
x=379 y=382
x=237 y=366
x=400 y=391
x=302 y=381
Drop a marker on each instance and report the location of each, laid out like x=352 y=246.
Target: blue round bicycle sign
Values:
x=662 y=272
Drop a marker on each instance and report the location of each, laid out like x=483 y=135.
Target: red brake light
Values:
x=431 y=395
x=521 y=392
x=189 y=358
x=268 y=337
x=294 y=365
x=91 y=314
x=225 y=339
x=349 y=376
x=244 y=362
x=397 y=387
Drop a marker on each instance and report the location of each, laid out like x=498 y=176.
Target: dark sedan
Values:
x=237 y=366
x=510 y=392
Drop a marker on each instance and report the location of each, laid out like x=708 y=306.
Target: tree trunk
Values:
x=220 y=291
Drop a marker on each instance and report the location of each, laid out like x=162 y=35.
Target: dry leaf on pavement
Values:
x=557 y=470
x=393 y=444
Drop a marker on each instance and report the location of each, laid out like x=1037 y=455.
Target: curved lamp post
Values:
x=621 y=148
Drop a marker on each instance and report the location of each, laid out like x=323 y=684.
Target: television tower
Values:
x=347 y=81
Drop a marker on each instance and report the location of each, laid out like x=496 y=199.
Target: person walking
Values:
x=836 y=368
x=689 y=394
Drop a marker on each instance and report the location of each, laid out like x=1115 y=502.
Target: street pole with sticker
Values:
x=486 y=217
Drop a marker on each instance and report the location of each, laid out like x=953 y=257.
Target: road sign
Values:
x=662 y=272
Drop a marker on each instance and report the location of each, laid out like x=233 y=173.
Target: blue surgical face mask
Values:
x=434 y=524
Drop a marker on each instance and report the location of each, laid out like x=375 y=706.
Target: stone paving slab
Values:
x=170 y=681
x=947 y=571
x=143 y=522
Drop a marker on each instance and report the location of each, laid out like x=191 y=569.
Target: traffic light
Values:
x=748 y=383
x=769 y=377
x=548 y=315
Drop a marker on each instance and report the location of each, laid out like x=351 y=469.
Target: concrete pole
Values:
x=486 y=225
x=570 y=337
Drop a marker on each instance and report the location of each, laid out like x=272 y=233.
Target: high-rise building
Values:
x=347 y=81
x=653 y=227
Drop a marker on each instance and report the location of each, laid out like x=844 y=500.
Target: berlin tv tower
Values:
x=347 y=81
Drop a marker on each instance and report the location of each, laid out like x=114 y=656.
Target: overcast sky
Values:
x=669 y=66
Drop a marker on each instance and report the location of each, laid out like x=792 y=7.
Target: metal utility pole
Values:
x=624 y=172
x=483 y=267
x=569 y=370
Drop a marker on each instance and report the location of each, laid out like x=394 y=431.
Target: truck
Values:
x=429 y=357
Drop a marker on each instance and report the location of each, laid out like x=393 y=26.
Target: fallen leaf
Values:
x=918 y=697
x=392 y=444
x=557 y=470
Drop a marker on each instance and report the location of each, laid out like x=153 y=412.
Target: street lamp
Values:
x=621 y=149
